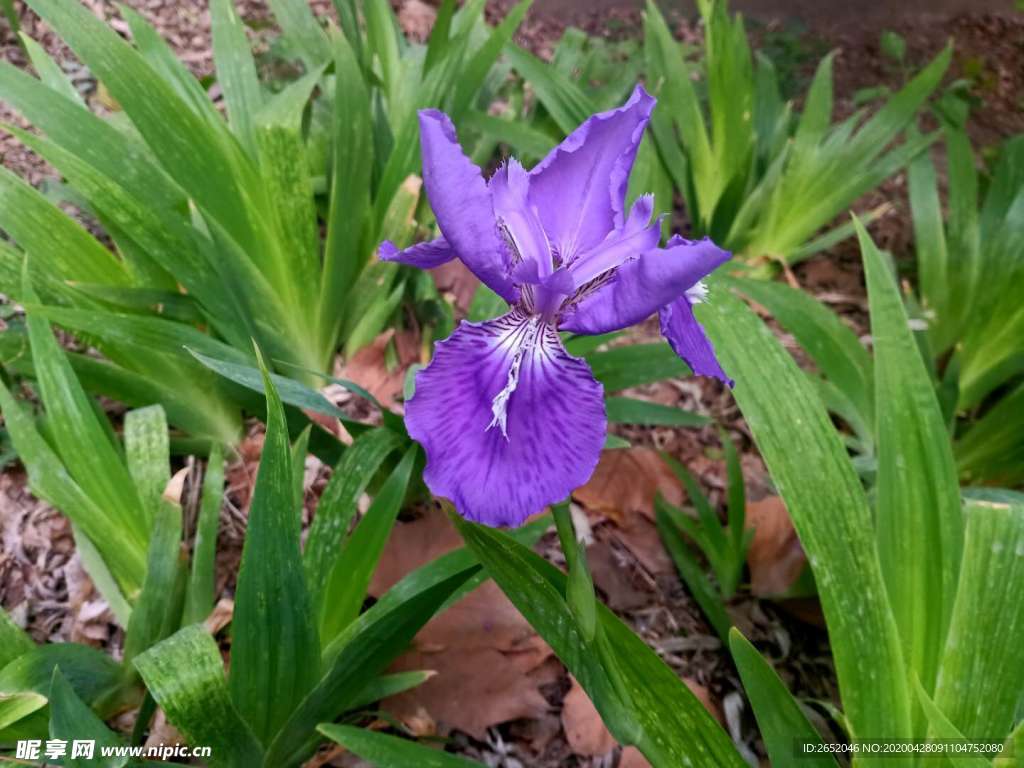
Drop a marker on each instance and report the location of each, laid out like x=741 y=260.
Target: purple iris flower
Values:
x=509 y=420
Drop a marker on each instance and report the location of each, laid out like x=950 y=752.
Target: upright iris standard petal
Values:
x=427 y=255
x=687 y=338
x=462 y=204
x=642 y=286
x=510 y=422
x=579 y=189
x=635 y=237
x=510 y=188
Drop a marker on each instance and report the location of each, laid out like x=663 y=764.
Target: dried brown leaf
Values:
x=584 y=730
x=641 y=538
x=175 y=486
x=455 y=282
x=369 y=368
x=626 y=481
x=614 y=578
x=775 y=557
x=220 y=616
x=489 y=662
x=633 y=758
x=416 y=19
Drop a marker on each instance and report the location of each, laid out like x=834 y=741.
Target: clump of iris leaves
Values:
x=213 y=226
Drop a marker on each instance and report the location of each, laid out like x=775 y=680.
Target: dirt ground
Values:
x=43 y=586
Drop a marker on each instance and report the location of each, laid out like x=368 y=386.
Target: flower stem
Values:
x=580 y=586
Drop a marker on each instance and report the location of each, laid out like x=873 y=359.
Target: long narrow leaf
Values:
x=391 y=752
x=299 y=23
x=475 y=72
x=567 y=103
x=100 y=471
x=690 y=571
x=982 y=672
x=13 y=640
x=236 y=70
x=809 y=466
x=337 y=506
x=273 y=624
x=834 y=347
x=626 y=410
x=185 y=674
x=346 y=589
x=158 y=608
x=49 y=71
x=635 y=364
x=54 y=239
x=918 y=521
x=352 y=161
x=367 y=647
x=943 y=729
x=778 y=714
x=50 y=480
x=71 y=719
x=148 y=452
x=202 y=157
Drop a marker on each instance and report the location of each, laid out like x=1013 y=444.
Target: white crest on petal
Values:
x=697 y=293
x=499 y=405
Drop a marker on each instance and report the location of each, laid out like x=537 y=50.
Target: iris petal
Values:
x=510 y=189
x=426 y=255
x=642 y=286
x=462 y=204
x=687 y=338
x=636 y=237
x=504 y=438
x=579 y=189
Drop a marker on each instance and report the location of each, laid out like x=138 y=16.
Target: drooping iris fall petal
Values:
x=688 y=340
x=643 y=285
x=498 y=459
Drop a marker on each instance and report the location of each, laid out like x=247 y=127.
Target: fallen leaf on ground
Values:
x=455 y=281
x=368 y=367
x=641 y=538
x=633 y=758
x=775 y=557
x=489 y=662
x=626 y=481
x=584 y=729
x=416 y=19
x=90 y=615
x=614 y=578
x=330 y=423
